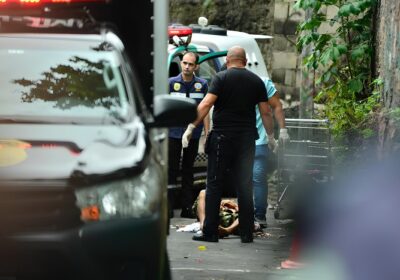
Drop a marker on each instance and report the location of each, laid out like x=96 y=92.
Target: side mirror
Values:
x=172 y=111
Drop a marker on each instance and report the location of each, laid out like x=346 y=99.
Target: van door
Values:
x=210 y=62
x=210 y=65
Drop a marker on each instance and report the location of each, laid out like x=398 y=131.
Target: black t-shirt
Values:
x=238 y=91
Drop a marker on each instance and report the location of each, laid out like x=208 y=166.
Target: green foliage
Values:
x=343 y=61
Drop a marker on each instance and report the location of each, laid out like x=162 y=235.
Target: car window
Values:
x=175 y=67
x=208 y=69
x=61 y=79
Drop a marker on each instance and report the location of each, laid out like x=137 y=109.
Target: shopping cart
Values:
x=305 y=159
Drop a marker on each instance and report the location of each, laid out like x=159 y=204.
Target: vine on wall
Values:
x=344 y=61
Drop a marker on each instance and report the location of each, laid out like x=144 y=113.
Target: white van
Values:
x=218 y=39
x=212 y=43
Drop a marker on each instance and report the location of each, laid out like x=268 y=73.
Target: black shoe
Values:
x=246 y=238
x=206 y=238
x=187 y=213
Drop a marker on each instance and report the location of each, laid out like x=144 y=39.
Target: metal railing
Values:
x=307 y=156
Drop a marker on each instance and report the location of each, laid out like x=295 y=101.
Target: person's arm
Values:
x=206 y=123
x=276 y=105
x=204 y=107
x=268 y=122
x=228 y=203
x=206 y=120
x=225 y=231
x=202 y=111
x=266 y=117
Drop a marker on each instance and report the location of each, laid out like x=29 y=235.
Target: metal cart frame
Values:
x=306 y=156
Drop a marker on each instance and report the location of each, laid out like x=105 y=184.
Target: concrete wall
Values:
x=286 y=61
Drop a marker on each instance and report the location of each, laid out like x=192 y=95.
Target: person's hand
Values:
x=283 y=136
x=229 y=204
x=272 y=145
x=187 y=135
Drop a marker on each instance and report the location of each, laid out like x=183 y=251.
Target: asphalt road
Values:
x=229 y=258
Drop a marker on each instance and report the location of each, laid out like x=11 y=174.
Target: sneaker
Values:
x=257 y=227
x=261 y=222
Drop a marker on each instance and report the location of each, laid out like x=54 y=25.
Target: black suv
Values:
x=82 y=158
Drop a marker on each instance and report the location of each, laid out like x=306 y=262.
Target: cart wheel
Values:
x=276 y=212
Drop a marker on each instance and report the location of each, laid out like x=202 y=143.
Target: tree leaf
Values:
x=325 y=57
x=334 y=53
x=358 y=53
x=355 y=85
x=354 y=9
x=345 y=10
x=342 y=49
x=298 y=5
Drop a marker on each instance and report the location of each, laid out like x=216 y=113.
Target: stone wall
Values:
x=271 y=17
x=268 y=17
x=286 y=62
x=251 y=16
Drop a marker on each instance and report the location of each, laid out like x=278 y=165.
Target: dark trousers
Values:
x=233 y=151
x=174 y=159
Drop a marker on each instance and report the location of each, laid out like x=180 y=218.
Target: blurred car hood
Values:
x=62 y=151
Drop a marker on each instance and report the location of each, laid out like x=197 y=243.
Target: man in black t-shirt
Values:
x=234 y=93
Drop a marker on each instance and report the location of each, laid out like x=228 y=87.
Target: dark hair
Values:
x=196 y=55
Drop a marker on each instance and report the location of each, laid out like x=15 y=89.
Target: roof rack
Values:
x=209 y=29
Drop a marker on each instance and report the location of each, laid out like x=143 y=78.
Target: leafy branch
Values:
x=343 y=62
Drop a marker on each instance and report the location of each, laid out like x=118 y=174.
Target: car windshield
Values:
x=56 y=79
